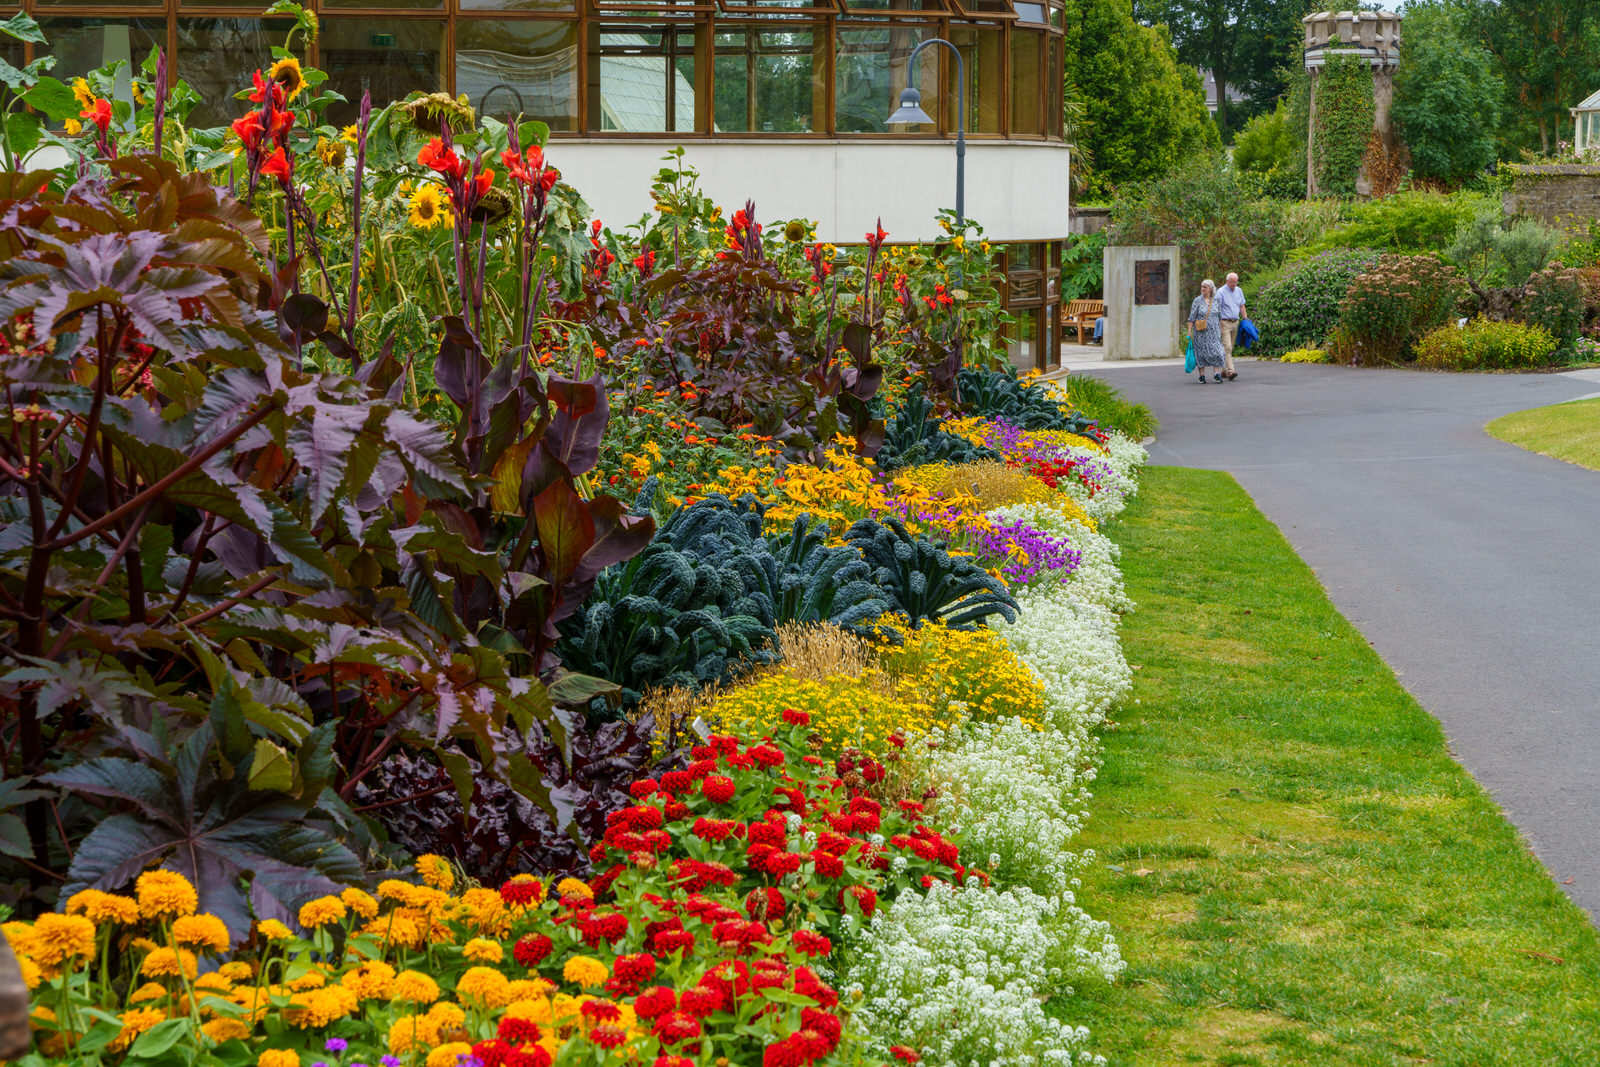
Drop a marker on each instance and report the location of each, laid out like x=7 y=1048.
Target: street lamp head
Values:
x=910 y=109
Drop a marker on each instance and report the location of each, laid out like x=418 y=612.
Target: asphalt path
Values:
x=1468 y=563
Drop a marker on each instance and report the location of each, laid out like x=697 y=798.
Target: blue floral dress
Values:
x=1207 y=342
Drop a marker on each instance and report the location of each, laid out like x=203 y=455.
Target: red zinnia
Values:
x=795 y=717
x=520 y=892
x=811 y=943
x=827 y=864
x=677 y=782
x=608 y=927
x=717 y=788
x=700 y=1001
x=900 y=1052
x=779 y=864
x=657 y=1000
x=635 y=967
x=517 y=1031
x=676 y=1027
x=531 y=949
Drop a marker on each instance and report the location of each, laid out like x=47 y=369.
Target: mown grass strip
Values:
x=1297 y=871
x=1569 y=431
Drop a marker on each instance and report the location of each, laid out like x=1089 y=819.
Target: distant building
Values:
x=1209 y=81
x=780 y=101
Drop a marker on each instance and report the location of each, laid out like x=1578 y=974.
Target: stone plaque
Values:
x=1150 y=281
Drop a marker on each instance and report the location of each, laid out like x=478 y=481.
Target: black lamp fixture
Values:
x=910 y=110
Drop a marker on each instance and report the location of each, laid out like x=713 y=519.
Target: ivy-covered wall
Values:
x=1342 y=114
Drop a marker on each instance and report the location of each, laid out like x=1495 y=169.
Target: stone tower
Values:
x=1374 y=37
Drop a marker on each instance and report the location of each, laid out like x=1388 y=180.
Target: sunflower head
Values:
x=286 y=72
x=82 y=93
x=428 y=208
x=429 y=113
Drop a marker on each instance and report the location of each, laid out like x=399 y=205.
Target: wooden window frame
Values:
x=821 y=104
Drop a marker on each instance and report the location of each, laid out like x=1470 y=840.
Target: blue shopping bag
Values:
x=1188 y=358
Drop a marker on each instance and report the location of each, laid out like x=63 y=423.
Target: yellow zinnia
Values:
x=373 y=980
x=166 y=895
x=319 y=1007
x=58 y=938
x=101 y=907
x=428 y=208
x=415 y=987
x=205 y=931
x=220 y=1030
x=585 y=971
x=360 y=902
x=273 y=930
x=134 y=1023
x=435 y=870
x=164 y=963
x=448 y=1054
x=278 y=1057
x=482 y=950
x=573 y=887
x=485 y=985
x=237 y=971
x=321 y=912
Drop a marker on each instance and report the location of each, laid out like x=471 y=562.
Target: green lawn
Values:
x=1296 y=870
x=1568 y=431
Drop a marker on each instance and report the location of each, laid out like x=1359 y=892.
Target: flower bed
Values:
x=358 y=723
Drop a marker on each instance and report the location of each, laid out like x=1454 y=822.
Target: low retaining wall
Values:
x=1563 y=194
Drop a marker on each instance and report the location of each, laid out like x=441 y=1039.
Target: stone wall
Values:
x=1563 y=194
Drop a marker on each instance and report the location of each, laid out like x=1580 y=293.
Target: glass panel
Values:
x=1030 y=12
x=1027 y=68
x=1052 y=76
x=215 y=57
x=871 y=71
x=1052 y=341
x=769 y=82
x=1023 y=257
x=1022 y=344
x=980 y=50
x=641 y=79
x=82 y=45
x=529 y=66
x=404 y=56
x=986 y=9
x=419 y=5
x=256 y=6
x=778 y=8
x=890 y=7
x=517 y=5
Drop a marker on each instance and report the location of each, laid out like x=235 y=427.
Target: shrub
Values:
x=1300 y=309
x=1206 y=210
x=1410 y=222
x=1307 y=355
x=1490 y=253
x=1483 y=343
x=1390 y=307
x=1556 y=297
x=1446 y=95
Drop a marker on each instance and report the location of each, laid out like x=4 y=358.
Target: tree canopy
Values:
x=1446 y=95
x=1143 y=111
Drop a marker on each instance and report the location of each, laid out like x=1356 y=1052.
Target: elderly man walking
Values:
x=1230 y=304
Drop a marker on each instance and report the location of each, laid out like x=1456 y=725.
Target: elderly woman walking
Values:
x=1205 y=328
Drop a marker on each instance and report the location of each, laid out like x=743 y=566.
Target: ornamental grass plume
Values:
x=991 y=484
x=819 y=651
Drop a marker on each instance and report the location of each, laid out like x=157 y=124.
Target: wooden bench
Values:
x=1079 y=315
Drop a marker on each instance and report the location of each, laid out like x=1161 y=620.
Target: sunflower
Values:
x=427 y=208
x=73 y=127
x=286 y=72
x=82 y=93
x=350 y=133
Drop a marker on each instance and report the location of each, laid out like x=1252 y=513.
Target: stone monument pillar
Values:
x=1374 y=37
x=1143 y=301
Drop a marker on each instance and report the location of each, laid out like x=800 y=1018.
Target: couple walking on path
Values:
x=1213 y=326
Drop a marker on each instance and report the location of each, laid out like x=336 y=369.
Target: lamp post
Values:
x=910 y=110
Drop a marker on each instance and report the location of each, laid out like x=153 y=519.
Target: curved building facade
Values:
x=780 y=101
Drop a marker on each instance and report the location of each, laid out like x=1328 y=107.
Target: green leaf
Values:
x=54 y=98
x=576 y=690
x=23 y=28
x=272 y=768
x=158 y=1039
x=23 y=129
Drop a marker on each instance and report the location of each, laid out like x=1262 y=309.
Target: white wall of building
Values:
x=1017 y=191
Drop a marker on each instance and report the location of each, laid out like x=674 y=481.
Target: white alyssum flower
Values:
x=960 y=975
x=1072 y=647
x=1019 y=794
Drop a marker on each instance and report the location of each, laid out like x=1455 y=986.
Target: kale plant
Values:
x=702 y=601
x=927 y=583
x=1000 y=394
x=914 y=438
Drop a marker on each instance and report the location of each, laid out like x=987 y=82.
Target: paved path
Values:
x=1472 y=566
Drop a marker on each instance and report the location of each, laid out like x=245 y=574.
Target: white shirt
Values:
x=1230 y=298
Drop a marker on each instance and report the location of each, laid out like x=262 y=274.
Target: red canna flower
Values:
x=277 y=165
x=436 y=157
x=98 y=113
x=248 y=129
